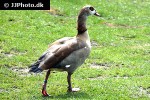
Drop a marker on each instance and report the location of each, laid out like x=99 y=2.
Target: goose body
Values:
x=68 y=53
x=65 y=54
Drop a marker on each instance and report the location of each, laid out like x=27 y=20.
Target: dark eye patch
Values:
x=91 y=8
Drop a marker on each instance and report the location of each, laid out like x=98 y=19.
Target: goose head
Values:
x=89 y=10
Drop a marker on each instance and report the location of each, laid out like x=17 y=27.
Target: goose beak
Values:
x=97 y=14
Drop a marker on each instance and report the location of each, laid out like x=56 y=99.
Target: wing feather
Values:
x=59 y=50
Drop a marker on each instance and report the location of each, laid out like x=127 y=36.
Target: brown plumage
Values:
x=61 y=50
x=68 y=53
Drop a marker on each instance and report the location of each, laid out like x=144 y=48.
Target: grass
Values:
x=117 y=68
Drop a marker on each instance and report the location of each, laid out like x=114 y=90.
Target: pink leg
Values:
x=45 y=83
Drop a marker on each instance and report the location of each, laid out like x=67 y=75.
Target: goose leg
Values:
x=45 y=83
x=70 y=89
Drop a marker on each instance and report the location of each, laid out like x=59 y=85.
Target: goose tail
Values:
x=35 y=67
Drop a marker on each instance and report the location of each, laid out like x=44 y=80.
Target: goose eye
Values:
x=91 y=8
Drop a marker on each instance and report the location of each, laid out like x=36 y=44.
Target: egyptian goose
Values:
x=68 y=53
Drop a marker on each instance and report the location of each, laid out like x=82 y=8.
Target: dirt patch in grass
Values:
x=13 y=88
x=24 y=72
x=94 y=43
x=105 y=77
x=123 y=77
x=12 y=53
x=121 y=25
x=21 y=71
x=140 y=46
x=98 y=78
x=54 y=11
x=100 y=65
x=8 y=55
x=144 y=91
x=3 y=90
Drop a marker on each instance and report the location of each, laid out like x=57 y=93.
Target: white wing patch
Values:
x=67 y=66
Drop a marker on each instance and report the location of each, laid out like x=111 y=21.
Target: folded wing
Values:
x=59 y=50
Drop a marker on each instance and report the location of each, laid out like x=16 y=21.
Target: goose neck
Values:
x=81 y=23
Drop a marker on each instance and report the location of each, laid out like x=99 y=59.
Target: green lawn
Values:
x=118 y=67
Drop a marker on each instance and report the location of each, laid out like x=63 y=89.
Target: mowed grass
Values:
x=118 y=67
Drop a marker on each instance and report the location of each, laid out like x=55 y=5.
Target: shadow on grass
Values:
x=75 y=95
